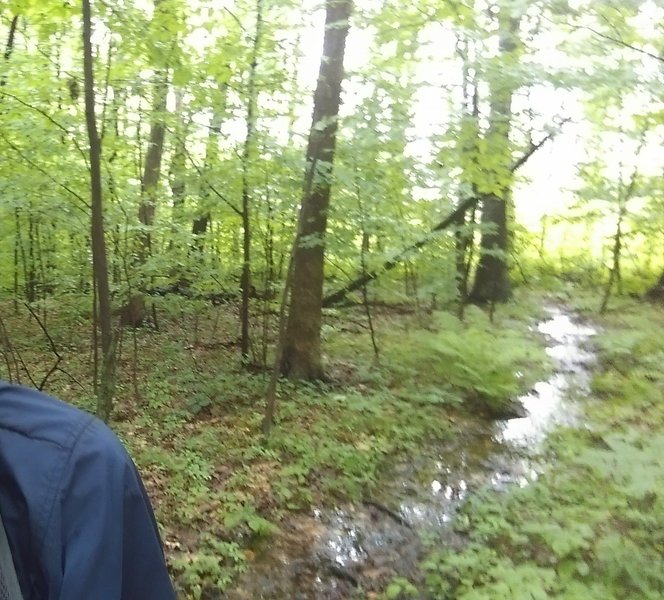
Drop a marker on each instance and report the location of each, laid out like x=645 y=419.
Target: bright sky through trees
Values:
x=546 y=182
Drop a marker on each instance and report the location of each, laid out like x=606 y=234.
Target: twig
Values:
x=621 y=42
x=51 y=120
x=203 y=176
x=51 y=343
x=389 y=512
x=44 y=172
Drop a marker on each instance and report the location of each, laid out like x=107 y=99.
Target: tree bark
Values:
x=463 y=246
x=302 y=348
x=625 y=194
x=614 y=275
x=9 y=47
x=201 y=221
x=656 y=292
x=464 y=235
x=100 y=266
x=492 y=281
x=252 y=101
x=152 y=167
x=178 y=168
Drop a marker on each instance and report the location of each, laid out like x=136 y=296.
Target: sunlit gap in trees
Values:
x=551 y=180
x=424 y=75
x=429 y=73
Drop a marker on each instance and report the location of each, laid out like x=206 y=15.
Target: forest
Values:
x=372 y=291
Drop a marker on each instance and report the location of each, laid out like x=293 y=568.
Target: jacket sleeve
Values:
x=110 y=542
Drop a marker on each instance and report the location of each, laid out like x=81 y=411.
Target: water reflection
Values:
x=367 y=543
x=551 y=403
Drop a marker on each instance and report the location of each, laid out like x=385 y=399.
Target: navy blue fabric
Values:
x=78 y=519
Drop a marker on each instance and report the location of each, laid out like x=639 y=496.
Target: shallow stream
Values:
x=329 y=554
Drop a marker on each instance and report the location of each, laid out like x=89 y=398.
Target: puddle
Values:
x=326 y=555
x=553 y=402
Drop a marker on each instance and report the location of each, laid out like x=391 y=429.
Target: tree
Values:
x=99 y=261
x=452 y=219
x=492 y=282
x=247 y=152
x=302 y=345
x=164 y=12
x=656 y=292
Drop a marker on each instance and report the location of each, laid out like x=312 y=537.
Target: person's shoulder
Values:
x=58 y=436
x=37 y=416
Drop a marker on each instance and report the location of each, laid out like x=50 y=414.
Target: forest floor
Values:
x=226 y=498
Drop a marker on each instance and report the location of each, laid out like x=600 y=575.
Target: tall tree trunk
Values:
x=245 y=282
x=465 y=225
x=100 y=266
x=178 y=168
x=18 y=243
x=17 y=252
x=302 y=353
x=201 y=221
x=31 y=274
x=9 y=48
x=656 y=292
x=625 y=194
x=152 y=167
x=463 y=246
x=614 y=275
x=492 y=281
x=20 y=251
x=155 y=149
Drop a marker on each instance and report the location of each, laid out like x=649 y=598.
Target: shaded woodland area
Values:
x=217 y=217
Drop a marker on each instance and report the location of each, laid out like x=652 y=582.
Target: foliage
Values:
x=481 y=361
x=192 y=419
x=419 y=133
x=591 y=526
x=487 y=362
x=400 y=588
x=410 y=143
x=211 y=566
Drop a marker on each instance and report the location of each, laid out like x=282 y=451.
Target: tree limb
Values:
x=44 y=172
x=452 y=218
x=51 y=120
x=625 y=44
x=51 y=343
x=204 y=177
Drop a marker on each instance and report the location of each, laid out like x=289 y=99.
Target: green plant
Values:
x=593 y=525
x=400 y=588
x=245 y=515
x=212 y=566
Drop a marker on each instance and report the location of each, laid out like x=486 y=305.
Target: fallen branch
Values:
x=343 y=573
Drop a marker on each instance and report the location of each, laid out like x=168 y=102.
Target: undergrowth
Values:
x=191 y=415
x=592 y=527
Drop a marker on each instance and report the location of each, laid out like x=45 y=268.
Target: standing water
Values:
x=328 y=555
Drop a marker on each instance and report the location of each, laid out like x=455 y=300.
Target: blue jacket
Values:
x=78 y=519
